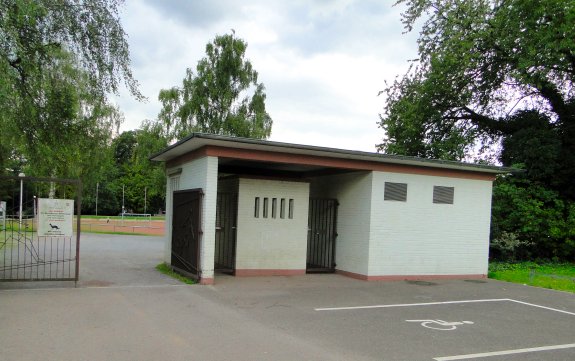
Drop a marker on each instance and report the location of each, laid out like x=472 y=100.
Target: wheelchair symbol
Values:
x=440 y=324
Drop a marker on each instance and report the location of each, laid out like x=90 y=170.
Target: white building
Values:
x=252 y=207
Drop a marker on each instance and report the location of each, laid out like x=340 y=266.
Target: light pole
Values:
x=97 y=186
x=123 y=209
x=21 y=175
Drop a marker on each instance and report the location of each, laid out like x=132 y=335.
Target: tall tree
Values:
x=222 y=97
x=143 y=181
x=480 y=62
x=62 y=126
x=30 y=31
x=58 y=61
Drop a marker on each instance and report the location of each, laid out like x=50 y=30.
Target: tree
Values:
x=143 y=181
x=58 y=62
x=532 y=219
x=33 y=32
x=63 y=125
x=480 y=63
x=47 y=49
x=222 y=97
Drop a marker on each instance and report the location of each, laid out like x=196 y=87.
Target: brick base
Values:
x=206 y=281
x=269 y=272
x=409 y=277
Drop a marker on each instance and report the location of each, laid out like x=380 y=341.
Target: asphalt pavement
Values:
x=123 y=309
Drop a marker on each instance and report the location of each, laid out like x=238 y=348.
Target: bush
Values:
x=510 y=247
x=531 y=221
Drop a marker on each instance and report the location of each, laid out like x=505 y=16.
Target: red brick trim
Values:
x=411 y=277
x=269 y=272
x=304 y=159
x=357 y=276
x=207 y=281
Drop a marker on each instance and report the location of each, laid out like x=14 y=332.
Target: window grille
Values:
x=175 y=183
x=395 y=192
x=443 y=195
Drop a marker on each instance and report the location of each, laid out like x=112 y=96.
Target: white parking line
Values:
x=475 y=355
x=410 y=304
x=506 y=352
x=544 y=307
x=442 y=303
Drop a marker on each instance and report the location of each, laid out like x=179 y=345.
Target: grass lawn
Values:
x=165 y=269
x=556 y=276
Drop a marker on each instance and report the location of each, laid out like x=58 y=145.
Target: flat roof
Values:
x=197 y=141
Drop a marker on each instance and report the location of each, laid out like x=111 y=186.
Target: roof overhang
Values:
x=198 y=141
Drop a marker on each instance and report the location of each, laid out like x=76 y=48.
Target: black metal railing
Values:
x=226 y=223
x=24 y=254
x=322 y=233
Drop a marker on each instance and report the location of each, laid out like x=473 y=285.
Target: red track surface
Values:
x=154 y=227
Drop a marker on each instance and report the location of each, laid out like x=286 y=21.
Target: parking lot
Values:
x=124 y=310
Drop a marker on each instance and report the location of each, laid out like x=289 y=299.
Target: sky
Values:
x=322 y=62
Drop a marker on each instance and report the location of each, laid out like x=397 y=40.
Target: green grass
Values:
x=17 y=228
x=118 y=233
x=165 y=269
x=555 y=276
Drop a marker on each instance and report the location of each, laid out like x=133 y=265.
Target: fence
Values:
x=39 y=245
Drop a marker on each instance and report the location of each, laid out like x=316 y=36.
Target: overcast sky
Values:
x=322 y=62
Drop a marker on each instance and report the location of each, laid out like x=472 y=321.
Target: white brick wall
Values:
x=353 y=192
x=200 y=173
x=419 y=237
x=268 y=243
x=375 y=237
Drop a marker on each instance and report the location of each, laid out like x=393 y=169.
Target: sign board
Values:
x=55 y=217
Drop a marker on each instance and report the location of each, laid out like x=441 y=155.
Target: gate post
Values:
x=209 y=204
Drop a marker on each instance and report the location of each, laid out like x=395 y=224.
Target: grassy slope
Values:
x=556 y=276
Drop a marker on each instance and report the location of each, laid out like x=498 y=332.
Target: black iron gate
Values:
x=226 y=222
x=322 y=232
x=39 y=245
x=186 y=232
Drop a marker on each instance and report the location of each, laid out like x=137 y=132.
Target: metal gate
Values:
x=186 y=232
x=322 y=232
x=24 y=254
x=226 y=222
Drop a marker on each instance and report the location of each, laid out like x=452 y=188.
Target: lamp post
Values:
x=97 y=186
x=21 y=175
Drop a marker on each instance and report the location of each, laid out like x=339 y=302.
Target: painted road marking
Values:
x=441 y=325
x=506 y=352
x=410 y=304
x=544 y=307
x=476 y=355
x=442 y=303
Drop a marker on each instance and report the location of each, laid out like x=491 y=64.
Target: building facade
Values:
x=270 y=208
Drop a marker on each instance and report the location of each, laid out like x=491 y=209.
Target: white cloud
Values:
x=322 y=63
